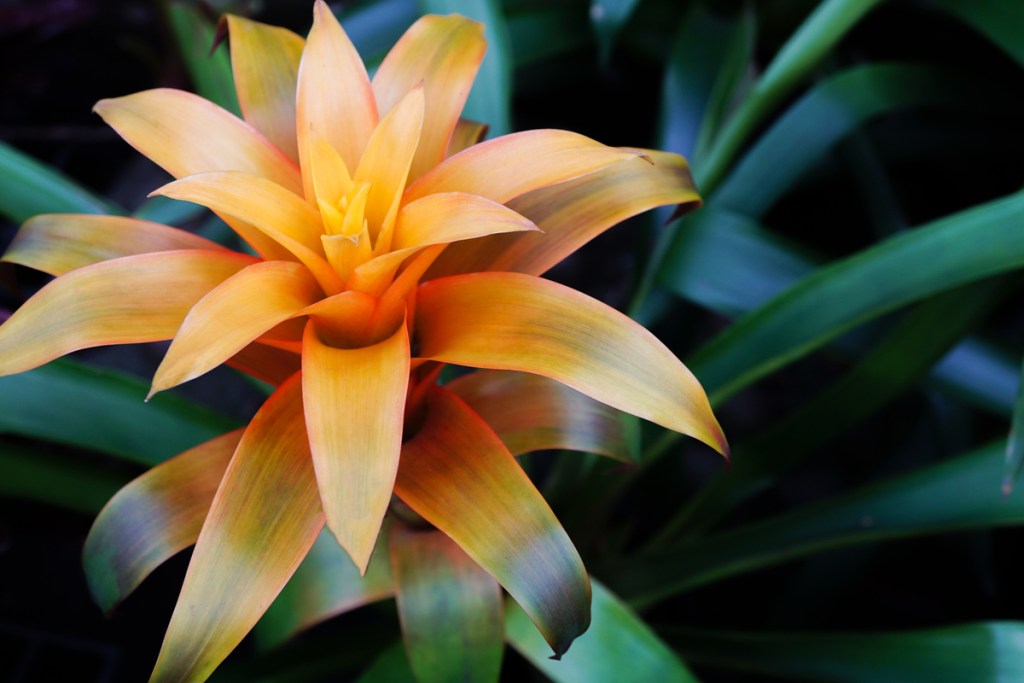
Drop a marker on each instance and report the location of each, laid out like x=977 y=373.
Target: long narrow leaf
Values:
x=210 y=72
x=36 y=475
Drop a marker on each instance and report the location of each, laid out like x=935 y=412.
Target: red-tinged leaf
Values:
x=355 y=405
x=450 y=609
x=152 y=518
x=509 y=321
x=265 y=63
x=458 y=475
x=572 y=213
x=262 y=522
x=266 y=363
x=61 y=242
x=534 y=413
x=444 y=54
x=125 y=301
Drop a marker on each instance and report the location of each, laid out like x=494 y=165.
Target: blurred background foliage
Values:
x=847 y=295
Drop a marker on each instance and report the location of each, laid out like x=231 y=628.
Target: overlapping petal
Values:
x=263 y=520
x=57 y=243
x=155 y=516
x=91 y=306
x=510 y=321
x=458 y=475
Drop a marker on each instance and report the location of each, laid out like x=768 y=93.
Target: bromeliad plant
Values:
x=389 y=241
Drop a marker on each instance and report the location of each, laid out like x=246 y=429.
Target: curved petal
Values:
x=232 y=315
x=57 y=243
x=534 y=413
x=571 y=214
x=355 y=406
x=450 y=608
x=152 y=518
x=509 y=321
x=266 y=363
x=125 y=301
x=334 y=96
x=385 y=163
x=458 y=475
x=444 y=54
x=185 y=134
x=466 y=134
x=515 y=164
x=265 y=63
x=242 y=560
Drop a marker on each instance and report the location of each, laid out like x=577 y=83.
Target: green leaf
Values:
x=1015 y=442
x=958 y=249
x=210 y=72
x=961 y=493
x=804 y=51
x=325 y=585
x=1000 y=21
x=828 y=113
x=490 y=99
x=990 y=652
x=40 y=476
x=450 y=609
x=392 y=666
x=619 y=646
x=168 y=211
x=375 y=26
x=607 y=17
x=30 y=187
x=541 y=32
x=73 y=403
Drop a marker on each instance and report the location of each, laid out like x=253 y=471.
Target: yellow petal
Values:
x=444 y=54
x=509 y=321
x=458 y=475
x=512 y=165
x=385 y=164
x=152 y=518
x=573 y=213
x=331 y=179
x=185 y=134
x=125 y=301
x=466 y=134
x=355 y=405
x=534 y=413
x=57 y=243
x=265 y=63
x=263 y=520
x=334 y=100
x=232 y=315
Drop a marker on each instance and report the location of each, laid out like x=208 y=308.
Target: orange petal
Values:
x=325 y=585
x=346 y=317
x=185 y=134
x=573 y=213
x=355 y=404
x=444 y=54
x=509 y=321
x=512 y=165
x=152 y=518
x=534 y=413
x=60 y=242
x=466 y=134
x=458 y=475
x=125 y=301
x=451 y=610
x=334 y=97
x=265 y=63
x=263 y=520
x=232 y=315
x=266 y=363
x=385 y=163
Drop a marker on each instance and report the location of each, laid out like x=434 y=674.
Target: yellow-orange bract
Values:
x=390 y=241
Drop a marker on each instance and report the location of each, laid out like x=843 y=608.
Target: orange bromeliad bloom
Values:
x=389 y=242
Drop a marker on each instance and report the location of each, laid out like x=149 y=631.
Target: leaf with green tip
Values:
x=210 y=71
x=325 y=585
x=80 y=405
x=991 y=652
x=490 y=99
x=450 y=608
x=618 y=647
x=31 y=187
x=961 y=493
x=958 y=249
